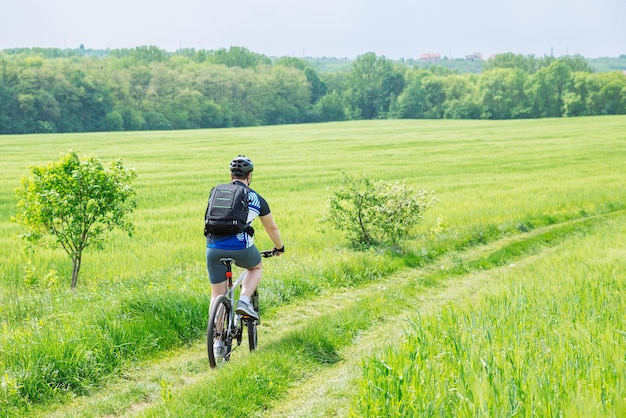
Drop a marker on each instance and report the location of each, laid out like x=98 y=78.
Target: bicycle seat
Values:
x=227 y=260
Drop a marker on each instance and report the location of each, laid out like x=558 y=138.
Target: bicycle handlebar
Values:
x=268 y=253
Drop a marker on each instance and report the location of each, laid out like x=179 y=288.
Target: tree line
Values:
x=146 y=88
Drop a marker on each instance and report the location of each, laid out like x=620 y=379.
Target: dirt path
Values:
x=328 y=393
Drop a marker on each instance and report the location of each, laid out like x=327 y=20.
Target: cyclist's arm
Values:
x=272 y=230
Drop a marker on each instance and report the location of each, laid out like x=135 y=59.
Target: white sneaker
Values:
x=245 y=309
x=219 y=349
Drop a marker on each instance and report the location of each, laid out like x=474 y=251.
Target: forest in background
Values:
x=47 y=90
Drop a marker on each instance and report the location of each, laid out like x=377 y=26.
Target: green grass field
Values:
x=555 y=187
x=546 y=338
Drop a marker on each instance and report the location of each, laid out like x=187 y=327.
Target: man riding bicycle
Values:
x=240 y=247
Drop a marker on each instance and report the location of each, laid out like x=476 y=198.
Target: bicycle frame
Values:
x=233 y=319
x=227 y=325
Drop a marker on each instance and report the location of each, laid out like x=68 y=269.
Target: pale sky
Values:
x=323 y=28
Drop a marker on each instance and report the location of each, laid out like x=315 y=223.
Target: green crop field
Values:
x=507 y=299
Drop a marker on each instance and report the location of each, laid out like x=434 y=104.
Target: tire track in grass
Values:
x=331 y=392
x=326 y=388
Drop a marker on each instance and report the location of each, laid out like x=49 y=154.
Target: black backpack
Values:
x=227 y=210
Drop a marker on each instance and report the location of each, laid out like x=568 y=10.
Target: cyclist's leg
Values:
x=252 y=280
x=250 y=259
x=218 y=290
x=217 y=272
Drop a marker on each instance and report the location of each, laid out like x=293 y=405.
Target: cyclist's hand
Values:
x=278 y=251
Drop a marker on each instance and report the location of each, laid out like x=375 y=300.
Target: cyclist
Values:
x=241 y=246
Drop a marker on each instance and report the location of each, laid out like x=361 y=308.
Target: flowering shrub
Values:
x=374 y=213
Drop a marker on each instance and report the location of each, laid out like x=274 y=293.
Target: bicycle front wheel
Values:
x=219 y=341
x=252 y=335
x=252 y=324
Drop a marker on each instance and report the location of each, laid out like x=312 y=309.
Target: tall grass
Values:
x=69 y=347
x=148 y=293
x=253 y=384
x=548 y=339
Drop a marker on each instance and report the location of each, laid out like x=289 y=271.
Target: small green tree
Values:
x=376 y=212
x=72 y=202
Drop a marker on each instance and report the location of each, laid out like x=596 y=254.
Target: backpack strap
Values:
x=249 y=229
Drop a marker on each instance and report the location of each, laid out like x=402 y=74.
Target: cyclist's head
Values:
x=241 y=166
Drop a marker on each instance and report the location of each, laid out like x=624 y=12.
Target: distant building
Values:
x=430 y=56
x=476 y=56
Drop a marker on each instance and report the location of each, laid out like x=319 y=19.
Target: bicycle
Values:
x=225 y=324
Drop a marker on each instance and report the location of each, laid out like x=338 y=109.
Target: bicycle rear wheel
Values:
x=218 y=332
